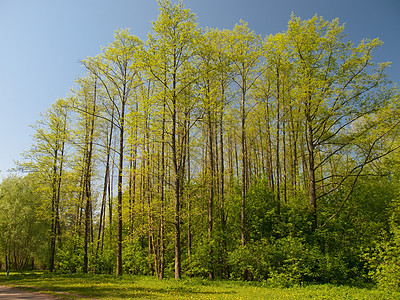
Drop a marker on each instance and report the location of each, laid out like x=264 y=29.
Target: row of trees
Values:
x=217 y=153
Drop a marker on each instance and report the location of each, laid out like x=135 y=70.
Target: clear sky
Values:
x=42 y=42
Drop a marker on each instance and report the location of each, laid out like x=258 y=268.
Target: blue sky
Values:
x=42 y=42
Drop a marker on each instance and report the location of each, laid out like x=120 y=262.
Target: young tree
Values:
x=86 y=106
x=245 y=49
x=23 y=231
x=46 y=159
x=340 y=87
x=170 y=62
x=116 y=70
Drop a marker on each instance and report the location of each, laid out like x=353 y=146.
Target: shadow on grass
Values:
x=138 y=292
x=106 y=286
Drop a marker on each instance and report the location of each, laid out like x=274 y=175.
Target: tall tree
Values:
x=46 y=159
x=116 y=69
x=86 y=96
x=245 y=48
x=172 y=50
x=340 y=87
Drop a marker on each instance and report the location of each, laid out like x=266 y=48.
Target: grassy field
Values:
x=141 y=287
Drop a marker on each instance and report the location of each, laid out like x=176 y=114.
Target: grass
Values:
x=141 y=287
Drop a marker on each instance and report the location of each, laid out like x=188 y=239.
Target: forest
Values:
x=218 y=154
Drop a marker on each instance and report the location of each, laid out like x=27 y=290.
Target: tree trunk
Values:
x=311 y=168
x=244 y=165
x=53 y=215
x=211 y=189
x=177 y=182
x=88 y=171
x=119 y=196
x=162 y=226
x=105 y=188
x=222 y=184
x=277 y=152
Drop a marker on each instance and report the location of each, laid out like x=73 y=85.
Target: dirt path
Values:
x=12 y=293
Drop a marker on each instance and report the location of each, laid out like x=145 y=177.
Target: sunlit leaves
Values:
x=198 y=122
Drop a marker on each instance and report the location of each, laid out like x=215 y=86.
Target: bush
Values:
x=135 y=260
x=69 y=261
x=200 y=263
x=248 y=262
x=105 y=262
x=384 y=261
x=281 y=262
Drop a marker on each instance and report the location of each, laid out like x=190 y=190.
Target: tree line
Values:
x=216 y=153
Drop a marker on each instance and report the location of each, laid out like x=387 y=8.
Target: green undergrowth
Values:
x=80 y=286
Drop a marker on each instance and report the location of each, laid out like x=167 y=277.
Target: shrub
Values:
x=384 y=261
x=135 y=260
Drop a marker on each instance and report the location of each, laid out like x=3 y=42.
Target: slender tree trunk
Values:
x=132 y=176
x=88 y=171
x=294 y=138
x=105 y=189
x=277 y=152
x=222 y=184
x=211 y=187
x=284 y=145
x=60 y=177
x=162 y=226
x=56 y=185
x=284 y=162
x=244 y=164
x=177 y=179
x=119 y=196
x=53 y=214
x=270 y=171
x=189 y=203
x=311 y=168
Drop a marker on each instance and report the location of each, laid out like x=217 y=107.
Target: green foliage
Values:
x=383 y=257
x=200 y=262
x=69 y=260
x=281 y=262
x=105 y=262
x=135 y=259
x=261 y=212
x=261 y=161
x=384 y=263
x=23 y=233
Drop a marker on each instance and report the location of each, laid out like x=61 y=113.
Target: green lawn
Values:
x=141 y=287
